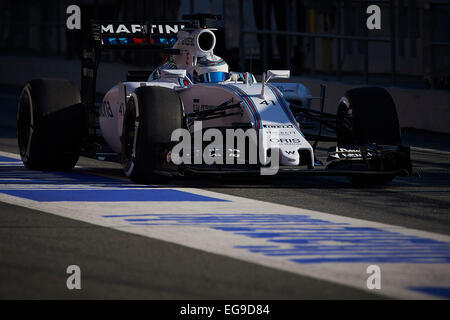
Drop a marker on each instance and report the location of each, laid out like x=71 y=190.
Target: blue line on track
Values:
x=8 y=159
x=307 y=240
x=104 y=195
x=80 y=186
x=442 y=292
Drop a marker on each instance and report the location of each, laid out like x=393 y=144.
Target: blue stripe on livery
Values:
x=249 y=102
x=284 y=104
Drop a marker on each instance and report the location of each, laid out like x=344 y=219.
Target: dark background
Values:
x=411 y=49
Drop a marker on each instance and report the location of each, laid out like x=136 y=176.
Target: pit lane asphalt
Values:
x=36 y=247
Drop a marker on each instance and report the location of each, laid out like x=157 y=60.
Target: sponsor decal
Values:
x=267 y=102
x=165 y=29
x=281 y=133
x=121 y=28
x=122 y=109
x=341 y=152
x=89 y=54
x=105 y=110
x=205 y=107
x=278 y=126
x=285 y=140
x=283 y=89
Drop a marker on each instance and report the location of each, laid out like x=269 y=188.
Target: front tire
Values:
x=373 y=118
x=368 y=116
x=152 y=114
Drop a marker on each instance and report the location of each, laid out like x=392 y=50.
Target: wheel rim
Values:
x=25 y=123
x=129 y=138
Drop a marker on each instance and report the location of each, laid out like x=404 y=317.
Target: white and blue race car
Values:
x=192 y=114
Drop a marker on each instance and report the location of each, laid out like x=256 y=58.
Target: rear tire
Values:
x=49 y=124
x=368 y=116
x=152 y=114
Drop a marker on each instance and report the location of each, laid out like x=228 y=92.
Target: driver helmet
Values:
x=211 y=69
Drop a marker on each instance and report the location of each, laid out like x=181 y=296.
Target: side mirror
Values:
x=273 y=74
x=278 y=74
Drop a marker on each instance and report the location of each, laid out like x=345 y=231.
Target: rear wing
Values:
x=121 y=35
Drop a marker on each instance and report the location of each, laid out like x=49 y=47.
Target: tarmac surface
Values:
x=37 y=246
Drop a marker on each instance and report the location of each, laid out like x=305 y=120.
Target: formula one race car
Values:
x=194 y=97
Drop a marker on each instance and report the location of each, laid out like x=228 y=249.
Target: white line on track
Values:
x=316 y=244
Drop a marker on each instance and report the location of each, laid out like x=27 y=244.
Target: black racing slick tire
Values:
x=49 y=124
x=152 y=114
x=368 y=116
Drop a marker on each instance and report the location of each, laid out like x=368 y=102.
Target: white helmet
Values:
x=211 y=69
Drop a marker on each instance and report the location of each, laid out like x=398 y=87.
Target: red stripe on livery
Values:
x=250 y=102
x=284 y=106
